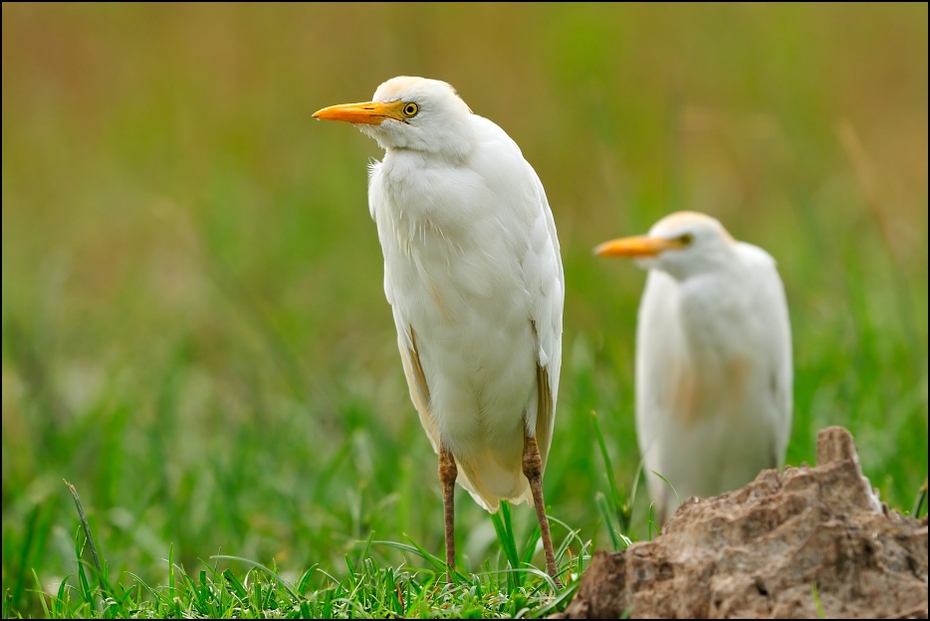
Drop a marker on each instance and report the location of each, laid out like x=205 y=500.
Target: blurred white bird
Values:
x=473 y=273
x=713 y=359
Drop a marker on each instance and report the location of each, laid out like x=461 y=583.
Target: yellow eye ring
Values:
x=686 y=239
x=410 y=110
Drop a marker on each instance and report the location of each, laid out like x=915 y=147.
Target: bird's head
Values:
x=683 y=244
x=410 y=113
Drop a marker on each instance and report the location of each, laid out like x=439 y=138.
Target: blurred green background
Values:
x=194 y=329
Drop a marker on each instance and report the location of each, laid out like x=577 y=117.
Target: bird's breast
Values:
x=722 y=374
x=453 y=258
x=450 y=241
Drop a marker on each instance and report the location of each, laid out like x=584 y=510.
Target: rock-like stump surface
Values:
x=772 y=549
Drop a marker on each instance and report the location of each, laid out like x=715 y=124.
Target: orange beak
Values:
x=639 y=246
x=369 y=112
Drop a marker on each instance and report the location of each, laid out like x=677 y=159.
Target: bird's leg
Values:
x=447 y=474
x=532 y=468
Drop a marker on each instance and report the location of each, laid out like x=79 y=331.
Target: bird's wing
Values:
x=416 y=379
x=516 y=184
x=545 y=283
x=771 y=308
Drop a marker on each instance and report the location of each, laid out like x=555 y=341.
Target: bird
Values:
x=473 y=275
x=714 y=373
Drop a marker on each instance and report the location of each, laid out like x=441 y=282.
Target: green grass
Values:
x=194 y=332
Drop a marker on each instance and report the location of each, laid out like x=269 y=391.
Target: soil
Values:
x=803 y=543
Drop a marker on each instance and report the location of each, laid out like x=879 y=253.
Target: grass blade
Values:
x=256 y=565
x=86 y=527
x=503 y=525
x=623 y=510
x=604 y=507
x=921 y=498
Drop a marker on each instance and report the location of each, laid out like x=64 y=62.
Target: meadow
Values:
x=194 y=330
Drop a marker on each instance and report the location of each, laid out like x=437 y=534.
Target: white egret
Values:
x=713 y=359
x=473 y=274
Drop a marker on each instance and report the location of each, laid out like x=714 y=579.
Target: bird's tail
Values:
x=489 y=480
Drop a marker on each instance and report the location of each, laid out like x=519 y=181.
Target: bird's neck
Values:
x=712 y=311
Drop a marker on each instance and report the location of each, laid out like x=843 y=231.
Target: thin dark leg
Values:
x=447 y=474
x=532 y=468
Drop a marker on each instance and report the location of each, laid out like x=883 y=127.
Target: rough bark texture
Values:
x=761 y=551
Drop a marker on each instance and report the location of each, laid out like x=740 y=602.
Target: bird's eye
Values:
x=686 y=239
x=410 y=110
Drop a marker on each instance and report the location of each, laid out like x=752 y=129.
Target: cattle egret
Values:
x=473 y=274
x=713 y=359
